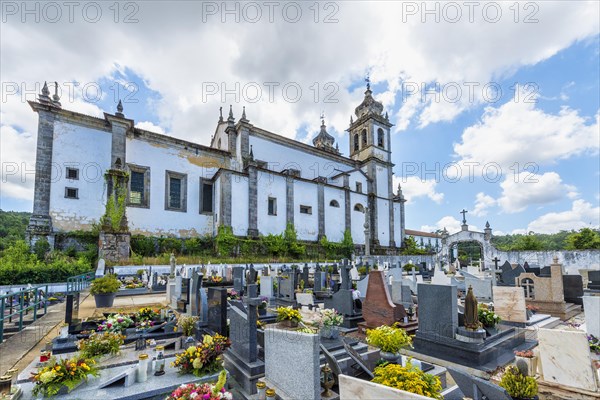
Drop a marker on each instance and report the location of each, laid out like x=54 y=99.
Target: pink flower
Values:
x=206 y=396
x=119 y=319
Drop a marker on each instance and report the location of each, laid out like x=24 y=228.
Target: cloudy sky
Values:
x=495 y=104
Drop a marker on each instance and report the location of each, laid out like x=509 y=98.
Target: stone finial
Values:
x=386 y=116
x=230 y=119
x=368 y=80
x=487 y=224
x=56 y=97
x=351 y=120
x=44 y=97
x=119 y=112
x=251 y=153
x=243 y=114
x=555 y=260
x=45 y=90
x=220 y=114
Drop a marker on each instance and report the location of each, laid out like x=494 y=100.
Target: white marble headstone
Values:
x=566 y=359
x=591 y=305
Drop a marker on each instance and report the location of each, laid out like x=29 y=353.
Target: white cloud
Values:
x=582 y=214
x=519 y=132
x=149 y=126
x=527 y=189
x=18 y=163
x=482 y=203
x=451 y=224
x=413 y=187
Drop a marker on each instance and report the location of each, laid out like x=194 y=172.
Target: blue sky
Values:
x=554 y=134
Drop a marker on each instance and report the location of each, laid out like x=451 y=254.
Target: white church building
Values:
x=247 y=178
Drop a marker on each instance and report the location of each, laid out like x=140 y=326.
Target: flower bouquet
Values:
x=233 y=294
x=59 y=376
x=203 y=359
x=288 y=316
x=115 y=323
x=409 y=378
x=330 y=322
x=99 y=344
x=147 y=314
x=215 y=279
x=202 y=391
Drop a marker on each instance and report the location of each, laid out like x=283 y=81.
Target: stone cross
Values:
x=496 y=260
x=463 y=212
x=345 y=275
x=172 y=262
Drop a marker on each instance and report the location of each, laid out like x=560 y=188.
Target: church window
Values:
x=206 y=196
x=72 y=174
x=380 y=138
x=71 y=193
x=356 y=142
x=359 y=207
x=139 y=186
x=219 y=144
x=334 y=203
x=272 y=206
x=176 y=190
x=364 y=137
x=359 y=187
x=305 y=209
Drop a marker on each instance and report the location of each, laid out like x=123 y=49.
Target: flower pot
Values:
x=530 y=364
x=390 y=357
x=289 y=324
x=104 y=300
x=262 y=311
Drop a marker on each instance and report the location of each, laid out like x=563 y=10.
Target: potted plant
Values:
x=187 y=327
x=408 y=378
x=115 y=323
x=61 y=376
x=489 y=319
x=262 y=307
x=526 y=361
x=103 y=289
x=206 y=391
x=531 y=310
x=288 y=317
x=390 y=341
x=519 y=386
x=100 y=344
x=330 y=323
x=203 y=359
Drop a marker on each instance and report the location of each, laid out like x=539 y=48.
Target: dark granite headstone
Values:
x=545 y=272
x=476 y=388
x=285 y=287
x=573 y=289
x=238 y=279
x=320 y=281
x=305 y=275
x=594 y=280
x=252 y=275
x=509 y=273
x=217 y=310
x=196 y=287
x=438 y=314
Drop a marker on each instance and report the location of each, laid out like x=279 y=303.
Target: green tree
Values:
x=528 y=242
x=410 y=247
x=586 y=238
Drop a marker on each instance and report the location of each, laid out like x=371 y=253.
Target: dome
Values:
x=369 y=105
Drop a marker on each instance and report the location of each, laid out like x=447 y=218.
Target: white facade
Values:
x=252 y=180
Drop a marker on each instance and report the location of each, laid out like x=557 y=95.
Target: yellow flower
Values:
x=197 y=364
x=57 y=368
x=191 y=350
x=207 y=339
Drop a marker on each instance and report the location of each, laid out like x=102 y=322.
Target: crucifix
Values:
x=368 y=80
x=495 y=270
x=463 y=212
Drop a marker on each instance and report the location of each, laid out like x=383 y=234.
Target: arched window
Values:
x=219 y=144
x=334 y=203
x=356 y=142
x=364 y=137
x=359 y=207
x=380 y=137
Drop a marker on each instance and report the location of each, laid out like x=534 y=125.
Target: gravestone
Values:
x=305 y=275
x=354 y=274
x=476 y=388
x=100 y=269
x=362 y=286
x=555 y=354
x=573 y=289
x=238 y=279
x=265 y=271
x=266 y=286
x=217 y=310
x=320 y=281
x=593 y=280
x=345 y=276
x=72 y=311
x=591 y=305
x=509 y=273
x=440 y=278
x=285 y=288
x=545 y=272
x=378 y=308
x=438 y=310
x=482 y=288
x=509 y=304
x=252 y=275
x=401 y=294
x=195 y=288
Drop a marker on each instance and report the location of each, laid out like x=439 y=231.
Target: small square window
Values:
x=72 y=173
x=206 y=196
x=175 y=191
x=272 y=206
x=139 y=186
x=71 y=193
x=305 y=210
x=359 y=187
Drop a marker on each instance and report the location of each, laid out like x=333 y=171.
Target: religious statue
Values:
x=172 y=262
x=471 y=315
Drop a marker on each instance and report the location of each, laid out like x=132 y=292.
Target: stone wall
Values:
x=114 y=247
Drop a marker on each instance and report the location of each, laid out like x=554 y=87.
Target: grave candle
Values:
x=271 y=394
x=5 y=384
x=261 y=389
x=159 y=366
x=64 y=331
x=44 y=356
x=142 y=368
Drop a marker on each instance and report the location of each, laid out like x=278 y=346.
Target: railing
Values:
x=79 y=282
x=20 y=303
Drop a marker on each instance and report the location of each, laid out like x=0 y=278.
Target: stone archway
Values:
x=464 y=236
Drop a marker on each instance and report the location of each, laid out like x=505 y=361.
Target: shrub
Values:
x=487 y=317
x=388 y=338
x=143 y=246
x=104 y=285
x=518 y=385
x=192 y=246
x=41 y=247
x=408 y=378
x=408 y=267
x=225 y=241
x=99 y=344
x=170 y=245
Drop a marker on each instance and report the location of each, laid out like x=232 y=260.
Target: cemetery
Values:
x=317 y=331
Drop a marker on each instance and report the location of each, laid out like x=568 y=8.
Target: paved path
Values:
x=20 y=349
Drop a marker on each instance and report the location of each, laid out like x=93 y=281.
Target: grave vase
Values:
x=529 y=364
x=330 y=332
x=262 y=311
x=391 y=357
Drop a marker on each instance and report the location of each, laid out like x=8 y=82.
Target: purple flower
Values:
x=119 y=319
